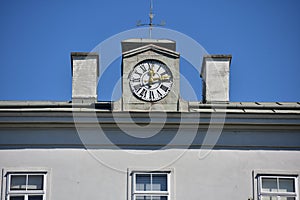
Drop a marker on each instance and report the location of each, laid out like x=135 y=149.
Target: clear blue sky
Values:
x=37 y=37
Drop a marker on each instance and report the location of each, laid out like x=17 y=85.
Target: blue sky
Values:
x=37 y=37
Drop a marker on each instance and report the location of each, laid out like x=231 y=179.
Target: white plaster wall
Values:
x=222 y=174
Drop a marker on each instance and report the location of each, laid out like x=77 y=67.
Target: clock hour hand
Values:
x=155 y=80
x=162 y=78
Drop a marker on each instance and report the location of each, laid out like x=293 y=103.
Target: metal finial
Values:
x=150 y=24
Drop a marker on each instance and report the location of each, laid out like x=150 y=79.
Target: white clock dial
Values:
x=150 y=80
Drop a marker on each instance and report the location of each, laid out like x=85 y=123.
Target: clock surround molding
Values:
x=150 y=50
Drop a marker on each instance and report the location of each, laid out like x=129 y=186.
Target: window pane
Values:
x=159 y=182
x=269 y=185
x=143 y=182
x=268 y=198
x=287 y=198
x=151 y=198
x=35 y=197
x=286 y=185
x=143 y=198
x=16 y=198
x=277 y=198
x=159 y=198
x=35 y=182
x=18 y=182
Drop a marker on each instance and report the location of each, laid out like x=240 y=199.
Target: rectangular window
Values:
x=277 y=187
x=151 y=186
x=26 y=186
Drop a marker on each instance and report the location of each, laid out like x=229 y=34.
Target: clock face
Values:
x=150 y=80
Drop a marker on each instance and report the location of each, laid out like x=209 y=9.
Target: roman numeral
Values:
x=143 y=68
x=136 y=80
x=138 y=73
x=143 y=92
x=151 y=95
x=158 y=69
x=163 y=74
x=159 y=94
x=137 y=87
x=164 y=88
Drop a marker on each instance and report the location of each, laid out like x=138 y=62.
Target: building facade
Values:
x=151 y=144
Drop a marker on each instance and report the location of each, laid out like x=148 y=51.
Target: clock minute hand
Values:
x=162 y=78
x=151 y=74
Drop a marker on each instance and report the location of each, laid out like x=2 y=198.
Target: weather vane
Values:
x=150 y=24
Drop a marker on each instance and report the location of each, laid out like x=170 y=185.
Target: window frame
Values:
x=258 y=175
x=133 y=193
x=6 y=181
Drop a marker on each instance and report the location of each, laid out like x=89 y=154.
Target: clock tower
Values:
x=150 y=75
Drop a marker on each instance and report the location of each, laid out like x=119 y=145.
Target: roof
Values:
x=247 y=107
x=134 y=43
x=232 y=107
x=152 y=47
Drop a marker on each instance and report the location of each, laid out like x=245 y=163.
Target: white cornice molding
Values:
x=87 y=118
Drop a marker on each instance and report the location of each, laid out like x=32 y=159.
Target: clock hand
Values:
x=151 y=74
x=155 y=80
x=165 y=77
x=162 y=78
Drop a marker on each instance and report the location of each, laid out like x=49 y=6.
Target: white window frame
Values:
x=133 y=193
x=151 y=193
x=6 y=180
x=258 y=175
x=278 y=194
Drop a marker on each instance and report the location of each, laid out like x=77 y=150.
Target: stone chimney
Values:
x=85 y=72
x=215 y=77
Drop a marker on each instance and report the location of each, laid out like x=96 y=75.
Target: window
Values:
x=277 y=187
x=26 y=186
x=151 y=186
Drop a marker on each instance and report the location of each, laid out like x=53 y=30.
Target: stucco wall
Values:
x=221 y=174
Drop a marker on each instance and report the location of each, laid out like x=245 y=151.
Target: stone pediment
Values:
x=151 y=47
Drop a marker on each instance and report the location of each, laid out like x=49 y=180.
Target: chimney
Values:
x=84 y=77
x=215 y=77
